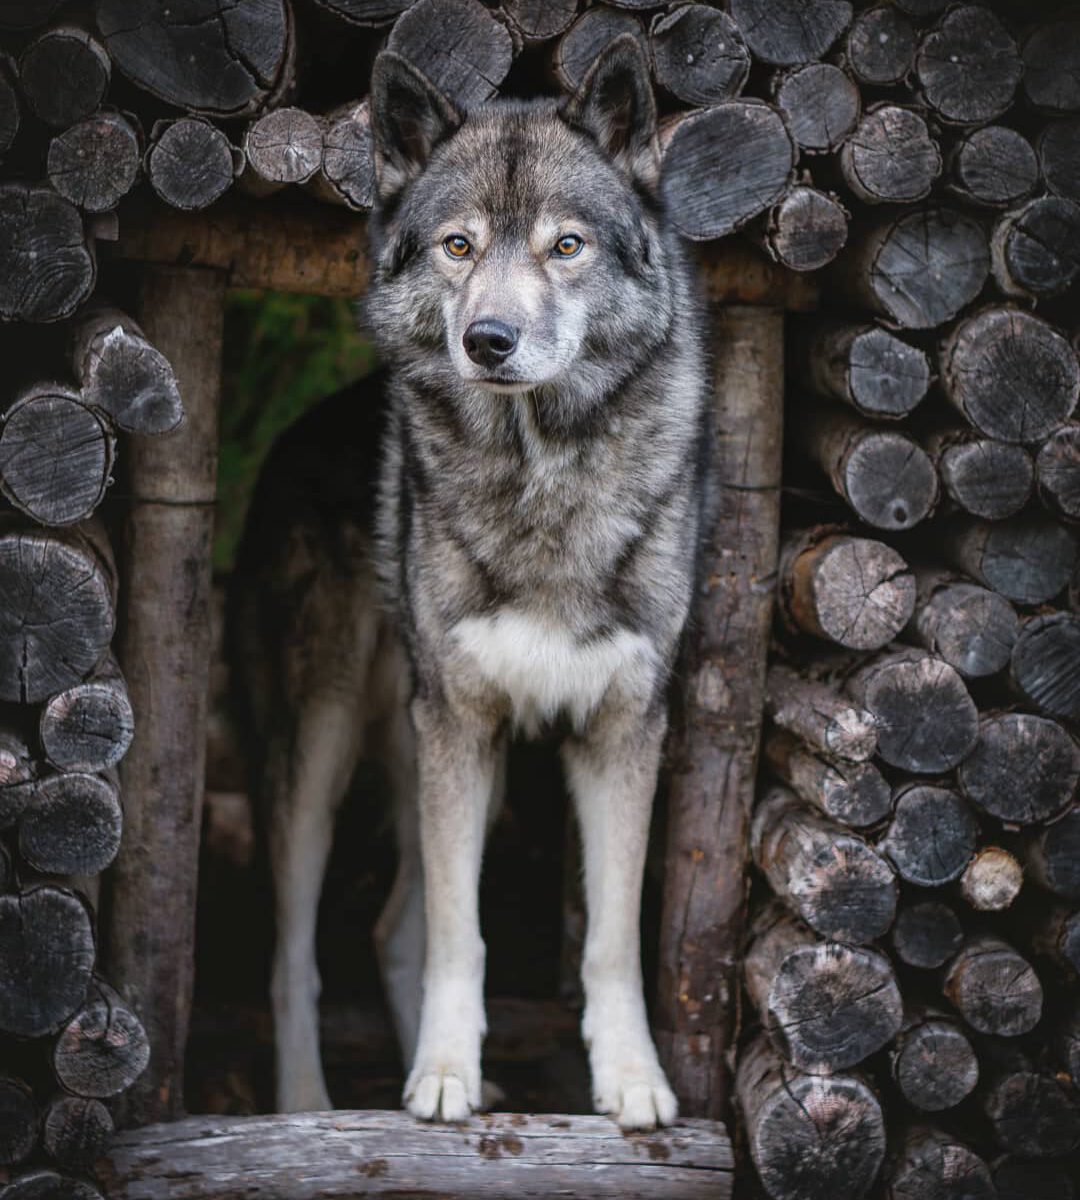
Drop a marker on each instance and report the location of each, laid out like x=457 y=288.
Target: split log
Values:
x=982 y=476
x=708 y=195
x=75 y=1132
x=926 y=934
x=932 y=836
x=853 y=793
x=1052 y=856
x=1016 y=1179
x=281 y=147
x=917 y=269
x=9 y=104
x=830 y=877
x=89 y=726
x=73 y=825
x=1057 y=471
x=346 y=174
x=1032 y=1114
x=698 y=53
x=819 y=715
x=880 y=46
x=95 y=163
x=43 y=1184
x=538 y=20
x=1028 y=559
x=1056 y=935
x=867 y=367
x=932 y=1062
x=221 y=59
x=930 y=1165
x=458 y=44
x=1059 y=158
x=812 y=1137
x=18 y=1121
x=190 y=163
x=927 y=722
x=853 y=591
x=46 y=955
x=994 y=989
x=47 y=268
x=1024 y=768
x=64 y=75
x=103 y=1049
x=1033 y=249
x=119 y=372
x=579 y=47
x=883 y=474
x=390 y=1154
x=805 y=229
x=890 y=158
x=993 y=166
x=56 y=455
x=993 y=880
x=26 y=14
x=820 y=103
x=789 y=32
x=58 y=616
x=968 y=66
x=1051 y=54
x=972 y=629
x=1045 y=664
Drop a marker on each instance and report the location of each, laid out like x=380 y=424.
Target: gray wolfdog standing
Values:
x=520 y=550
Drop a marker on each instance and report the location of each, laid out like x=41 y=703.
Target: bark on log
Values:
x=1059 y=158
x=1023 y=770
x=711 y=785
x=826 y=1006
x=370 y=12
x=725 y=165
x=47 y=267
x=1033 y=249
x=89 y=726
x=346 y=174
x=190 y=163
x=95 y=163
x=1057 y=472
x=1052 y=856
x=820 y=103
x=805 y=229
x=890 y=158
x=164 y=653
x=968 y=66
x=389 y=1154
x=993 y=880
x=927 y=722
x=64 y=75
x=880 y=45
x=867 y=367
x=852 y=793
x=933 y=1062
x=917 y=269
x=994 y=989
x=75 y=1132
x=458 y=44
x=46 y=956
x=993 y=166
x=698 y=54
x=789 y=32
x=103 y=1049
x=1016 y=1179
x=281 y=147
x=578 y=48
x=932 y=837
x=1032 y=1114
x=830 y=877
x=983 y=477
x=810 y=1137
x=883 y=474
x=930 y=1165
x=43 y=1184
x=926 y=934
x=853 y=591
x=972 y=629
x=1028 y=559
x=18 y=1121
x=212 y=57
x=1045 y=664
x=819 y=715
x=1051 y=54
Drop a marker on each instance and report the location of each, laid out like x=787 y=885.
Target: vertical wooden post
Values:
x=714 y=750
x=165 y=654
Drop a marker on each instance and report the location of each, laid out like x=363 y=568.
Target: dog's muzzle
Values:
x=489 y=342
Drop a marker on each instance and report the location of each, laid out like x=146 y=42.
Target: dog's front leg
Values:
x=456 y=759
x=612 y=775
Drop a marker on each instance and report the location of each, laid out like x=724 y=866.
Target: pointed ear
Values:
x=409 y=117
x=615 y=104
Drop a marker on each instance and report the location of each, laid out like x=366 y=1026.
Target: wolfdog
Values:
x=508 y=542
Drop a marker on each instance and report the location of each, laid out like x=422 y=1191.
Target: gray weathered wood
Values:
x=1045 y=664
x=95 y=163
x=968 y=66
x=993 y=880
x=88 y=726
x=1052 y=856
x=930 y=1165
x=1059 y=158
x=926 y=934
x=932 y=1061
x=190 y=163
x=993 y=166
x=103 y=1049
x=1032 y=1114
x=346 y=174
x=43 y=1184
x=820 y=103
x=1051 y=54
x=995 y=990
x=1057 y=471
x=1022 y=1179
x=969 y=627
x=932 y=836
x=281 y=147
x=18 y=1121
x=1056 y=935
x=64 y=74
x=865 y=366
x=980 y=475
x=890 y=157
x=26 y=14
x=366 y=12
x=1034 y=248
x=698 y=54
x=880 y=45
x=538 y=20
x=75 y=1131
x=47 y=266
x=805 y=229
x=854 y=793
x=1028 y=559
x=789 y=32
x=578 y=48
x=819 y=715
x=72 y=826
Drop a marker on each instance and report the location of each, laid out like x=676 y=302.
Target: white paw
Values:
x=630 y=1085
x=441 y=1094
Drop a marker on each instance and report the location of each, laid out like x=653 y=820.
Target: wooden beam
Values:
x=293 y=244
x=305 y=1156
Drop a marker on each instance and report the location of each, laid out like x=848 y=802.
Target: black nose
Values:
x=488 y=342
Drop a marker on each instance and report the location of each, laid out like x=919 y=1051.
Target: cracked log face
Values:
x=47 y=268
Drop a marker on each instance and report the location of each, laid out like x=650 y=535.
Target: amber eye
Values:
x=457 y=246
x=568 y=246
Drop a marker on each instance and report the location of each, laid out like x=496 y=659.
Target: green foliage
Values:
x=283 y=353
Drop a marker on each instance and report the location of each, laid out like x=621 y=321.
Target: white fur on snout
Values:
x=543 y=669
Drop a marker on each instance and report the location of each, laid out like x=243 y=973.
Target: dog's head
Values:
x=519 y=245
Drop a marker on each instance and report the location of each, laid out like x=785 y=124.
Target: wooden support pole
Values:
x=714 y=752
x=165 y=655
